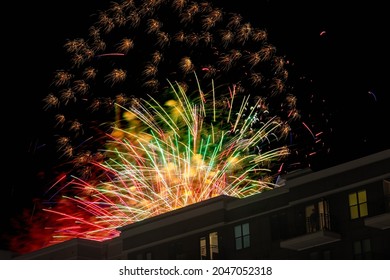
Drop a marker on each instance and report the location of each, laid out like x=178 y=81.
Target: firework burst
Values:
x=169 y=156
x=132 y=145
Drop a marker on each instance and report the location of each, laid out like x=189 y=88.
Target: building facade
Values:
x=342 y=212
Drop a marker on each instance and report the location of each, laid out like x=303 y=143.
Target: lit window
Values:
x=203 y=248
x=213 y=239
x=358 y=204
x=242 y=236
x=211 y=244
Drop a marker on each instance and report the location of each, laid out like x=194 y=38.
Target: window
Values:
x=148 y=255
x=321 y=255
x=358 y=204
x=211 y=244
x=314 y=256
x=203 y=248
x=175 y=251
x=317 y=216
x=242 y=236
x=213 y=240
x=362 y=249
x=144 y=256
x=386 y=192
x=279 y=226
x=326 y=255
x=312 y=218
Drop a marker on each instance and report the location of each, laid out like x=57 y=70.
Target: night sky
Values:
x=342 y=49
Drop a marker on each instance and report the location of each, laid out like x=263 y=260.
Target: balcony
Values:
x=381 y=221
x=317 y=233
x=310 y=240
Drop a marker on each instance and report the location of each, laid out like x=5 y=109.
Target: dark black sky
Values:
x=345 y=64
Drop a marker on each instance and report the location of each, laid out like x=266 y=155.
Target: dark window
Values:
x=279 y=226
x=242 y=236
x=362 y=249
x=320 y=255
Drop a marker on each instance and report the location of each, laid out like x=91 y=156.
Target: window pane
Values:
x=203 y=252
x=357 y=248
x=213 y=242
x=238 y=243
x=352 y=199
x=354 y=212
x=247 y=241
x=363 y=210
x=245 y=229
x=326 y=255
x=237 y=231
x=368 y=256
x=362 y=196
x=314 y=256
x=366 y=245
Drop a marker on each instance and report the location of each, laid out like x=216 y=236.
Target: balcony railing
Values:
x=318 y=222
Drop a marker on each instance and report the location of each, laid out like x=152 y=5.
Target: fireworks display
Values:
x=163 y=104
x=170 y=156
